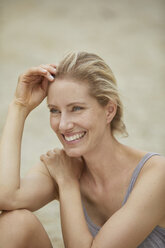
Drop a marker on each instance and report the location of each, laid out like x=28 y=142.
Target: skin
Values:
x=107 y=162
x=96 y=169
x=26 y=193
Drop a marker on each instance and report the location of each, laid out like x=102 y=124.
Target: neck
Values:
x=105 y=163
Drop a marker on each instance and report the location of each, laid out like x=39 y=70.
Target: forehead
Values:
x=68 y=90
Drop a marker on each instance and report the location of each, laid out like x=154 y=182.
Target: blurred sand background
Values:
x=128 y=34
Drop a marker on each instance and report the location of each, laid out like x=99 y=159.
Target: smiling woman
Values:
x=75 y=117
x=112 y=193
x=90 y=68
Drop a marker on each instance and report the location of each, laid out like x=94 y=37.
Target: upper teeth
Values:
x=74 y=137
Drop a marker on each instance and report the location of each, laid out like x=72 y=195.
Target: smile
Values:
x=74 y=137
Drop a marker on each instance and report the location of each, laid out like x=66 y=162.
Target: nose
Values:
x=65 y=123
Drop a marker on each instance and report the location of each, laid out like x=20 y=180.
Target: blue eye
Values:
x=54 y=111
x=77 y=108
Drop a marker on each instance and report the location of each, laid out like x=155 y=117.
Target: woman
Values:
x=110 y=195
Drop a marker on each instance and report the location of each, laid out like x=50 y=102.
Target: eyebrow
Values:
x=70 y=104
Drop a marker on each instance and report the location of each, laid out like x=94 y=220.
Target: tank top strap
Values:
x=136 y=173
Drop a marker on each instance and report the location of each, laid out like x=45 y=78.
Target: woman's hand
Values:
x=32 y=86
x=62 y=168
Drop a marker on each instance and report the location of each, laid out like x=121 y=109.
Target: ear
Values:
x=111 y=109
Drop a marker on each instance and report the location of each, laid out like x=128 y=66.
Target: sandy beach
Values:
x=128 y=34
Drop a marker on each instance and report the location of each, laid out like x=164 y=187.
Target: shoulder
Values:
x=152 y=174
x=40 y=169
x=154 y=168
x=149 y=190
x=40 y=174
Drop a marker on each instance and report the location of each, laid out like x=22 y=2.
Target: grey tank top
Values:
x=156 y=239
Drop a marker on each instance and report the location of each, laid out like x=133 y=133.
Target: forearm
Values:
x=74 y=227
x=10 y=148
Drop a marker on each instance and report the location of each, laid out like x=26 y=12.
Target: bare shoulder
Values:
x=142 y=212
x=41 y=173
x=40 y=168
x=152 y=175
x=149 y=190
x=154 y=167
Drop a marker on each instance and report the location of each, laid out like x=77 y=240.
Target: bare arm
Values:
x=31 y=90
x=129 y=226
x=36 y=190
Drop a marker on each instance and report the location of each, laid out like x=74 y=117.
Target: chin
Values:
x=73 y=153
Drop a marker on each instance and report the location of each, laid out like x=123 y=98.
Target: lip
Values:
x=73 y=134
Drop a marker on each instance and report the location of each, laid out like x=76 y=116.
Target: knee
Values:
x=19 y=219
x=19 y=225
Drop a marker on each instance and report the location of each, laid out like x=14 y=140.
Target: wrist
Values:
x=19 y=109
x=65 y=185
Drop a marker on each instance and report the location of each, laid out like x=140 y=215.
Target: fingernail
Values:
x=51 y=77
x=43 y=70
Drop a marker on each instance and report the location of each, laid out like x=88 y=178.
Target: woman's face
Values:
x=77 y=118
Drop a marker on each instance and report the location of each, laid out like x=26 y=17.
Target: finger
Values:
x=41 y=71
x=51 y=71
x=33 y=73
x=53 y=65
x=50 y=68
x=49 y=74
x=36 y=71
x=50 y=153
x=45 y=158
x=42 y=157
x=56 y=150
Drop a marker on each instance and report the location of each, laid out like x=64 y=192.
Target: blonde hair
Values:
x=91 y=68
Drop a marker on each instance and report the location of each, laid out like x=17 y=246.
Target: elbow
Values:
x=7 y=201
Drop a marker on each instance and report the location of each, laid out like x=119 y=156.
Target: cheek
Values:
x=54 y=123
